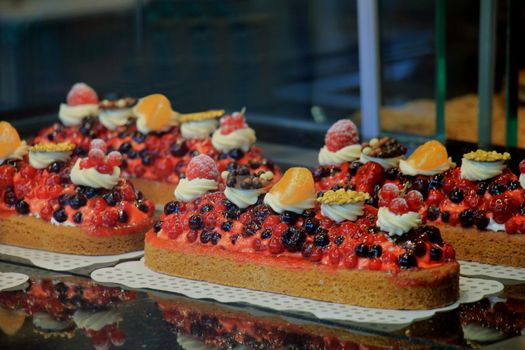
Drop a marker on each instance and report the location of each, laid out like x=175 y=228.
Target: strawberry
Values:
x=369 y=175
x=202 y=167
x=81 y=94
x=341 y=134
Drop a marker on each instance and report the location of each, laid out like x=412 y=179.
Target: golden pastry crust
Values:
x=53 y=147
x=192 y=117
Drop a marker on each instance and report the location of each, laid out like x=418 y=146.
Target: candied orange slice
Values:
x=428 y=156
x=11 y=321
x=156 y=109
x=9 y=139
x=296 y=186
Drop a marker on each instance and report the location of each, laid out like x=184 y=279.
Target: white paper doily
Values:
x=64 y=262
x=10 y=280
x=470 y=268
x=135 y=274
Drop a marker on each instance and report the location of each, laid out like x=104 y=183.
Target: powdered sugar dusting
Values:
x=202 y=167
x=341 y=134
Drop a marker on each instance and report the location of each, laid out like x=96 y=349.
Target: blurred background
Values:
x=293 y=64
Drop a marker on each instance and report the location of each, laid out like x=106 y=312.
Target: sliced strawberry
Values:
x=341 y=134
x=81 y=94
x=202 y=167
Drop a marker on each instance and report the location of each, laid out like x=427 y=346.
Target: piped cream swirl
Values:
x=279 y=207
x=478 y=171
x=188 y=190
x=345 y=154
x=18 y=153
x=522 y=181
x=242 y=198
x=242 y=138
x=198 y=128
x=92 y=178
x=397 y=225
x=41 y=160
x=386 y=163
x=115 y=117
x=73 y=115
x=96 y=320
x=342 y=212
x=407 y=168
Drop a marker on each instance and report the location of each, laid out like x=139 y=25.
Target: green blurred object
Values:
x=441 y=68
x=511 y=76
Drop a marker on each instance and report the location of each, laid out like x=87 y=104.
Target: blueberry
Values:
x=207 y=207
x=433 y=213
x=375 y=251
x=230 y=206
x=436 y=254
x=77 y=217
x=138 y=195
x=123 y=216
x=339 y=240
x=222 y=156
x=466 y=218
x=266 y=234
x=445 y=216
x=215 y=238
x=147 y=159
x=433 y=234
x=512 y=185
x=77 y=201
x=456 y=195
x=481 y=220
x=158 y=226
x=236 y=153
x=226 y=226
x=138 y=137
x=336 y=187
x=232 y=214
x=171 y=207
x=361 y=250
x=308 y=213
x=195 y=222
x=293 y=239
x=143 y=207
x=205 y=237
x=407 y=261
x=231 y=166
x=234 y=238
x=288 y=217
x=496 y=188
x=10 y=197
x=392 y=173
x=250 y=229
x=132 y=154
x=420 y=249
x=481 y=188
x=112 y=198
x=54 y=167
x=125 y=147
x=89 y=192
x=321 y=240
x=79 y=151
x=320 y=172
x=373 y=229
x=310 y=225
x=354 y=167
x=436 y=181
x=51 y=136
x=522 y=208
x=60 y=215
x=420 y=184
x=22 y=207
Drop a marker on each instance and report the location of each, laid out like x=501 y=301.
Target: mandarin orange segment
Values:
x=9 y=139
x=11 y=321
x=157 y=111
x=296 y=185
x=429 y=156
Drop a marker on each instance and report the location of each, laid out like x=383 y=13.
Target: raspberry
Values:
x=98 y=144
x=522 y=166
x=414 y=200
x=114 y=158
x=435 y=197
x=230 y=123
x=202 y=167
x=398 y=206
x=503 y=207
x=81 y=94
x=341 y=134
x=96 y=156
x=387 y=193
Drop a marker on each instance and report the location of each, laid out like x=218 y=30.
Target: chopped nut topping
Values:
x=53 y=147
x=385 y=147
x=125 y=102
x=486 y=156
x=242 y=178
x=192 y=117
x=342 y=196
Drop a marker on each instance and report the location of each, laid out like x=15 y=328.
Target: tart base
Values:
x=419 y=289
x=159 y=192
x=487 y=247
x=30 y=232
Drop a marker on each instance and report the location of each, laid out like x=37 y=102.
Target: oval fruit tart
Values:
x=81 y=207
x=290 y=240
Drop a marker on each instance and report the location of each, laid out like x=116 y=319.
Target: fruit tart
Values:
x=289 y=240
x=81 y=207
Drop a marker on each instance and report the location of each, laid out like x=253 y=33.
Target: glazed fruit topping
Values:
x=202 y=167
x=156 y=109
x=296 y=186
x=429 y=156
x=230 y=123
x=385 y=147
x=97 y=158
x=81 y=94
x=9 y=139
x=341 y=134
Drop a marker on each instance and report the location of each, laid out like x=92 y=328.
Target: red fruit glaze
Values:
x=341 y=134
x=202 y=167
x=81 y=94
x=435 y=197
